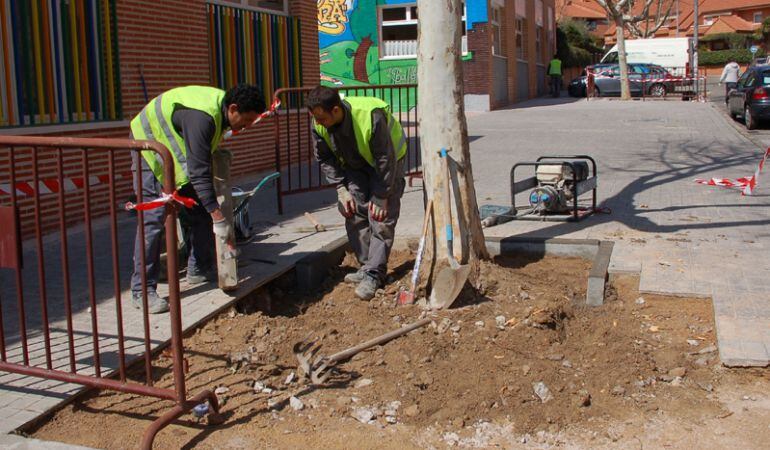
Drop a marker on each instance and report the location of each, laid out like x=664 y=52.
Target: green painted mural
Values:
x=350 y=52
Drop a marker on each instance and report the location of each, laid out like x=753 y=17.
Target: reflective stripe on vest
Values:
x=154 y=123
x=361 y=109
x=181 y=157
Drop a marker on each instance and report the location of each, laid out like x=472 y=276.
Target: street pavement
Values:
x=682 y=238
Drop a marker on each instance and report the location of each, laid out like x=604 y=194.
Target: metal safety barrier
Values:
x=649 y=87
x=294 y=143
x=683 y=88
x=70 y=322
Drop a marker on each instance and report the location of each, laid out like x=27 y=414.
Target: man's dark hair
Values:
x=324 y=97
x=247 y=97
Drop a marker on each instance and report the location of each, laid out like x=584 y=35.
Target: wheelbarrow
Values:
x=241 y=206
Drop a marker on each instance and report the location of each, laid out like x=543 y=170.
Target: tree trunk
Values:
x=625 y=93
x=442 y=125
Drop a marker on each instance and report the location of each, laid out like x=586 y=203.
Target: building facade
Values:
x=506 y=46
x=86 y=68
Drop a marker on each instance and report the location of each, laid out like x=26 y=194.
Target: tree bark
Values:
x=625 y=93
x=442 y=125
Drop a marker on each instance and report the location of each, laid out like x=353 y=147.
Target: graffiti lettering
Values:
x=332 y=16
x=402 y=75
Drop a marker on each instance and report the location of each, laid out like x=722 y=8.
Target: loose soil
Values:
x=639 y=371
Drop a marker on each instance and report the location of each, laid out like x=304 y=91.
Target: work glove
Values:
x=378 y=208
x=345 y=202
x=222 y=229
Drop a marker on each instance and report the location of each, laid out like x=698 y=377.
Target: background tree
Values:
x=440 y=90
x=653 y=16
x=624 y=14
x=575 y=45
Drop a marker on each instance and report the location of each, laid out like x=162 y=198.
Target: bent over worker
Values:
x=190 y=121
x=361 y=146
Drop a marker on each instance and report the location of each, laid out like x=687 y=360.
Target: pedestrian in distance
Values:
x=361 y=147
x=554 y=73
x=190 y=121
x=730 y=75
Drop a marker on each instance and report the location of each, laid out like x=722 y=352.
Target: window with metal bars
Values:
x=58 y=62
x=254 y=47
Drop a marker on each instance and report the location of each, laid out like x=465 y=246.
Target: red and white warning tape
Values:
x=187 y=202
x=270 y=111
x=745 y=184
x=654 y=80
x=52 y=185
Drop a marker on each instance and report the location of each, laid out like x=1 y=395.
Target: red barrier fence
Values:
x=38 y=335
x=294 y=147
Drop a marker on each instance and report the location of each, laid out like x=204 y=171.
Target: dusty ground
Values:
x=638 y=372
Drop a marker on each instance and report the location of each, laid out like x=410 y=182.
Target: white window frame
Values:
x=408 y=21
x=520 y=32
x=539 y=47
x=243 y=4
x=497 y=30
x=760 y=17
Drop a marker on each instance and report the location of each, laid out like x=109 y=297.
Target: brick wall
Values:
x=477 y=71
x=169 y=40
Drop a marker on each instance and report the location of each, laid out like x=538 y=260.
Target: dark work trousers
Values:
x=555 y=85
x=728 y=87
x=372 y=240
x=201 y=250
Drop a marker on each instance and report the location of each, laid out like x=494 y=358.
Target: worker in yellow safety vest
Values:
x=190 y=121
x=361 y=146
x=554 y=73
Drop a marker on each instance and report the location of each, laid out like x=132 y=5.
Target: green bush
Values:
x=722 y=57
x=575 y=46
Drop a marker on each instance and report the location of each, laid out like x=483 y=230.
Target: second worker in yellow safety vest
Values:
x=361 y=146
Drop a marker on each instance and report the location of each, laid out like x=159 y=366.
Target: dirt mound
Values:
x=522 y=349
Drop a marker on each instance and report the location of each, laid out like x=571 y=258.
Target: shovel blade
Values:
x=448 y=284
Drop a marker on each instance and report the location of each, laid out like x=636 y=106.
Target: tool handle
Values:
x=312 y=220
x=421 y=247
x=447 y=205
x=345 y=354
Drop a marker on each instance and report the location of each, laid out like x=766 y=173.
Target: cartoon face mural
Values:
x=332 y=16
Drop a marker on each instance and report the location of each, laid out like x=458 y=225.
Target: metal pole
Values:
x=695 y=39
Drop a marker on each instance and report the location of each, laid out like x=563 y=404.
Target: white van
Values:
x=671 y=53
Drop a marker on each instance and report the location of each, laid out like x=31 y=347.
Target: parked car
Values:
x=651 y=78
x=751 y=97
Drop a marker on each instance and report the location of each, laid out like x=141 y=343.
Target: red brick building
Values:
x=90 y=79
x=510 y=53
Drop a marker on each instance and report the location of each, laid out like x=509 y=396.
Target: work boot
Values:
x=195 y=276
x=355 y=277
x=367 y=287
x=155 y=304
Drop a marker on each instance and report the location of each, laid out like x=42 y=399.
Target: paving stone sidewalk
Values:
x=683 y=238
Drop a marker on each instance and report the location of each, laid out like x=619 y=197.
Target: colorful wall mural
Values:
x=350 y=51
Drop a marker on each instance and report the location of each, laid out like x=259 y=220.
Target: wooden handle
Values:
x=316 y=224
x=448 y=206
x=421 y=247
x=345 y=354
